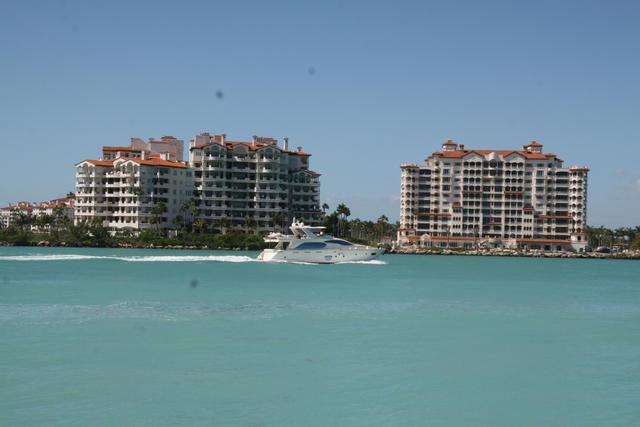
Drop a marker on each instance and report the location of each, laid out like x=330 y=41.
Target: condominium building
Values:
x=252 y=186
x=256 y=179
x=132 y=192
x=62 y=207
x=463 y=198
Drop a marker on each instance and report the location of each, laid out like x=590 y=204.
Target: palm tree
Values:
x=222 y=224
x=200 y=225
x=249 y=223
x=23 y=221
x=278 y=220
x=325 y=208
x=178 y=220
x=382 y=223
x=157 y=211
x=343 y=213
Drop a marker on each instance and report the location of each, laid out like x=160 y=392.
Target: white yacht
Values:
x=310 y=244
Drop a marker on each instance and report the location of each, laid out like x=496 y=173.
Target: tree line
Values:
x=358 y=230
x=607 y=237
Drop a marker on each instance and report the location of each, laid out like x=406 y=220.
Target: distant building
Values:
x=258 y=179
x=238 y=185
x=49 y=209
x=493 y=198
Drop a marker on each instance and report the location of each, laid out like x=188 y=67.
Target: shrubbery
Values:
x=94 y=235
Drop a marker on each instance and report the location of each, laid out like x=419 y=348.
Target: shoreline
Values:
x=635 y=255
x=127 y=246
x=518 y=253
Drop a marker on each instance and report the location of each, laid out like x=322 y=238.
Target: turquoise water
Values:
x=100 y=337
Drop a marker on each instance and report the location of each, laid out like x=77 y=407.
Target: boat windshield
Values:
x=340 y=242
x=311 y=245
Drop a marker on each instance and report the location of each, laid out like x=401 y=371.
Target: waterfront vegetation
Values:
x=58 y=230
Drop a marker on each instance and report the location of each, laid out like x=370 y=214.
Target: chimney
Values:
x=299 y=148
x=143 y=155
x=461 y=147
x=222 y=138
x=286 y=144
x=254 y=139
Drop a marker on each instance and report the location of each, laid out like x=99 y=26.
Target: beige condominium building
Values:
x=255 y=184
x=45 y=211
x=232 y=185
x=466 y=198
x=138 y=187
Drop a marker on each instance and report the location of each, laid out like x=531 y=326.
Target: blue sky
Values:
x=390 y=82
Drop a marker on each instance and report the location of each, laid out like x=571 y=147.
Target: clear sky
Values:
x=363 y=86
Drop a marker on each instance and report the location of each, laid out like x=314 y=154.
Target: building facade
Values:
x=46 y=211
x=230 y=185
x=257 y=182
x=132 y=193
x=493 y=198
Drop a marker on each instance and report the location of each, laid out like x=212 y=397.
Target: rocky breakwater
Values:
x=514 y=253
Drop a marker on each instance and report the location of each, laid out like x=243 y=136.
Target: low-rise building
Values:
x=40 y=215
x=463 y=198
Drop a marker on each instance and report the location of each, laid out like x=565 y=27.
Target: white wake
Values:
x=169 y=258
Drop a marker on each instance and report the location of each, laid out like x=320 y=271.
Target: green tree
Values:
x=249 y=224
x=278 y=221
x=157 y=211
x=222 y=224
x=343 y=213
x=382 y=224
x=200 y=225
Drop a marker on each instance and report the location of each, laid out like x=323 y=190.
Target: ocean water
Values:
x=102 y=337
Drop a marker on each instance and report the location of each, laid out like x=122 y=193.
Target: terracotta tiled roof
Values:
x=108 y=148
x=98 y=162
x=534 y=144
x=458 y=154
x=310 y=172
x=155 y=162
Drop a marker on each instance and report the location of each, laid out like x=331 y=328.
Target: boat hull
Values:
x=324 y=256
